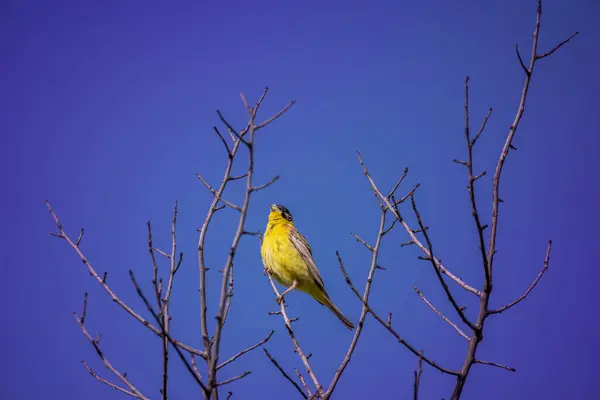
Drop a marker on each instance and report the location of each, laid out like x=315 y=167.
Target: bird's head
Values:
x=280 y=214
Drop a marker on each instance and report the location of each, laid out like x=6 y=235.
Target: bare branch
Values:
x=364 y=299
x=488 y=282
x=227 y=279
x=389 y=228
x=238 y=177
x=195 y=368
x=442 y=316
x=214 y=193
x=558 y=46
x=530 y=288
x=527 y=72
x=458 y=309
x=263 y=186
x=388 y=326
x=79 y=238
x=410 y=232
x=166 y=333
x=418 y=373
x=297 y=349
x=132 y=389
x=481 y=175
x=235 y=378
x=407 y=195
x=239 y=136
x=112 y=385
x=285 y=374
x=84 y=310
x=223 y=140
x=358 y=239
x=391 y=193
x=241 y=353
x=511 y=369
x=162 y=253
x=157 y=289
x=303 y=382
x=273 y=118
x=496 y=200
x=482 y=128
x=260 y=100
x=102 y=282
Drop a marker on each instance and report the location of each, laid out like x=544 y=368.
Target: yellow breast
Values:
x=281 y=258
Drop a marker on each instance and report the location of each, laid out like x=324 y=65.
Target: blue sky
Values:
x=107 y=110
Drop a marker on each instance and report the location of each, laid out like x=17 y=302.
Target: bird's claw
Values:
x=279 y=299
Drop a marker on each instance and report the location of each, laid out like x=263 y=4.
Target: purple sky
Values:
x=107 y=108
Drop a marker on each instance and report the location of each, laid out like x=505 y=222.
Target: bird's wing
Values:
x=301 y=244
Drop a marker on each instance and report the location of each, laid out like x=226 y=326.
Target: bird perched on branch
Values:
x=287 y=256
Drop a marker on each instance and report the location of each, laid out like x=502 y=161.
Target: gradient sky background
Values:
x=106 y=109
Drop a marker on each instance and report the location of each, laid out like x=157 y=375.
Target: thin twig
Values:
x=301 y=377
x=558 y=46
x=159 y=321
x=297 y=348
x=391 y=193
x=412 y=235
x=214 y=193
x=418 y=373
x=227 y=271
x=368 y=246
x=108 y=365
x=235 y=378
x=388 y=326
x=530 y=288
x=79 y=238
x=265 y=185
x=364 y=310
x=285 y=374
x=488 y=283
x=273 y=118
x=112 y=385
x=241 y=353
x=496 y=200
x=442 y=316
x=492 y=364
x=102 y=282
x=458 y=309
x=223 y=140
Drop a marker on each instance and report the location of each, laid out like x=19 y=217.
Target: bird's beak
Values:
x=273 y=207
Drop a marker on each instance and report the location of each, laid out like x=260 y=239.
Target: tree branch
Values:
x=297 y=349
x=241 y=353
x=411 y=233
x=235 y=378
x=492 y=364
x=289 y=378
x=132 y=389
x=458 y=309
x=530 y=288
x=102 y=282
x=488 y=282
x=388 y=326
x=442 y=316
x=365 y=299
x=418 y=373
x=227 y=280
x=112 y=385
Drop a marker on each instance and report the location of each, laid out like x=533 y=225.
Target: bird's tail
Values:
x=322 y=298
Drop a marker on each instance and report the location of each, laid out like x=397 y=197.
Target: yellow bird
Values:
x=287 y=256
